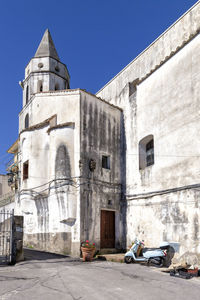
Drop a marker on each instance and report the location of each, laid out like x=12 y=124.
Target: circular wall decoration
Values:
x=40 y=65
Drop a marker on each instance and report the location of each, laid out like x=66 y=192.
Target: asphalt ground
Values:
x=48 y=276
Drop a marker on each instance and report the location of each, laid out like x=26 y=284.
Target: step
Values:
x=108 y=251
x=116 y=257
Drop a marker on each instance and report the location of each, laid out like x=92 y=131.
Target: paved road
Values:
x=46 y=276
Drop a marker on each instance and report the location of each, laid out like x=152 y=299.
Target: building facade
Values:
x=69 y=156
x=159 y=95
x=118 y=164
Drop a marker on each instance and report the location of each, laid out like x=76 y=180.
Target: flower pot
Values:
x=88 y=253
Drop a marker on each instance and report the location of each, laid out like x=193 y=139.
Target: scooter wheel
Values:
x=158 y=265
x=128 y=259
x=162 y=263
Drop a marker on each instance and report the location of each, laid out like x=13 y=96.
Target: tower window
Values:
x=105 y=162
x=146 y=152
x=25 y=170
x=40 y=86
x=56 y=87
x=57 y=69
x=26 y=122
x=27 y=94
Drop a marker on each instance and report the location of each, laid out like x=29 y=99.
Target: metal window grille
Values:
x=150 y=153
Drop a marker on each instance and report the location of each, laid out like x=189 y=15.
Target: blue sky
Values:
x=94 y=38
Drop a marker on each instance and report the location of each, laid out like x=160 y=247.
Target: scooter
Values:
x=152 y=256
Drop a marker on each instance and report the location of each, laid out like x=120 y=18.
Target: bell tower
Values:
x=44 y=72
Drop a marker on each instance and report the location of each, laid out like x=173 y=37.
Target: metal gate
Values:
x=6 y=236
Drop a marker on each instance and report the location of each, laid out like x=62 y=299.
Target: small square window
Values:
x=25 y=170
x=105 y=162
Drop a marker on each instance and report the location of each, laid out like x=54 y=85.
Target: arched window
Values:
x=27 y=94
x=26 y=123
x=146 y=152
x=40 y=86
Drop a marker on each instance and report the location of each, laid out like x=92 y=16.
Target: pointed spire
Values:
x=46 y=47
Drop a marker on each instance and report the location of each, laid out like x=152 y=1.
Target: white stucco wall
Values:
x=166 y=105
x=161 y=49
x=50 y=209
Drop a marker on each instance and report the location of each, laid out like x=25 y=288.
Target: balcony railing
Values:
x=10 y=163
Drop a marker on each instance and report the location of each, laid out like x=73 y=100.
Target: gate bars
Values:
x=6 y=236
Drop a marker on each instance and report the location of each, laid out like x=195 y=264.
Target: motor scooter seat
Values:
x=149 y=249
x=153 y=253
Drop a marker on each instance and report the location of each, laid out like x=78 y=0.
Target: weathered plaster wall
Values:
x=50 y=205
x=173 y=217
x=165 y=103
x=153 y=56
x=101 y=188
x=167 y=106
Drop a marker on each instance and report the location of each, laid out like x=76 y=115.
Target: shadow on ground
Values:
x=30 y=254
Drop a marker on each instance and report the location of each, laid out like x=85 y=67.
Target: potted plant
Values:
x=88 y=250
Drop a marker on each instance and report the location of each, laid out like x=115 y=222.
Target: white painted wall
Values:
x=166 y=105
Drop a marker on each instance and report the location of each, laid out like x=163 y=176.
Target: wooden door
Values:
x=107 y=229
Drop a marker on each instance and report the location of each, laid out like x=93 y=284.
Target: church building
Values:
x=120 y=164
x=69 y=156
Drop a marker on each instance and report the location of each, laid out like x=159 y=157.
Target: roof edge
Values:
x=141 y=53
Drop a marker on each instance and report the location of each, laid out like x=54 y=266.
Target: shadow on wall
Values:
x=62 y=170
x=43 y=219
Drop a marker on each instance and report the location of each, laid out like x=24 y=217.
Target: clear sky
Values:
x=94 y=38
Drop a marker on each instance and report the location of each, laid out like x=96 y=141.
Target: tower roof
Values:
x=46 y=47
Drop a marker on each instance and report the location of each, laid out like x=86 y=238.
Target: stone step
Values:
x=108 y=251
x=116 y=257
